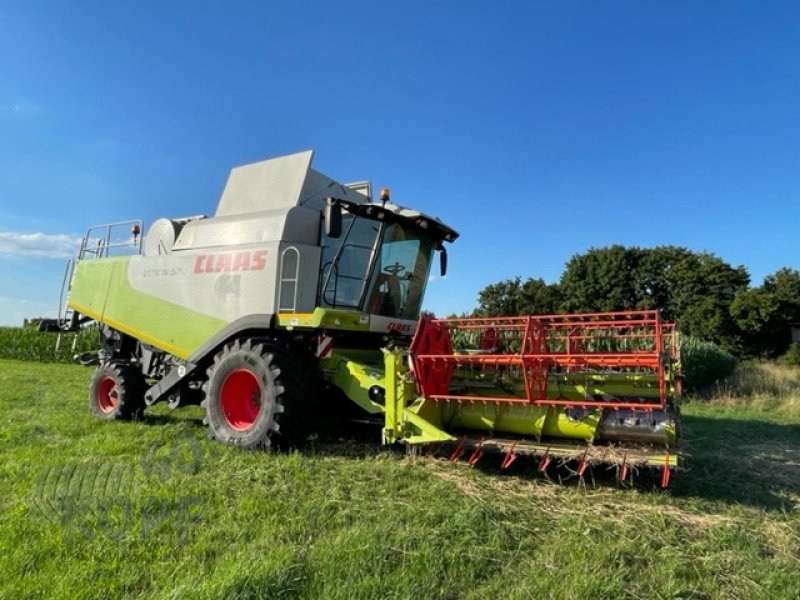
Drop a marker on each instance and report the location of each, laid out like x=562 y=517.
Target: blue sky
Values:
x=538 y=130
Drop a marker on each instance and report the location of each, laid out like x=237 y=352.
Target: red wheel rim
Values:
x=240 y=399
x=106 y=394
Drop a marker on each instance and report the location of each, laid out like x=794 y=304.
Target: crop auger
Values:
x=300 y=290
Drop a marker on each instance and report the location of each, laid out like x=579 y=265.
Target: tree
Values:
x=500 y=299
x=512 y=297
x=710 y=299
x=540 y=298
x=693 y=288
x=702 y=287
x=696 y=289
x=599 y=280
x=765 y=314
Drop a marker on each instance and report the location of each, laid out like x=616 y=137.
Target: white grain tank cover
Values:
x=266 y=185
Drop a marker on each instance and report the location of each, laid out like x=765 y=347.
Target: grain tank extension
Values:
x=300 y=292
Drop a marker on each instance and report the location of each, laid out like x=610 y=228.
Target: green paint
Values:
x=325 y=318
x=101 y=290
x=415 y=420
x=355 y=372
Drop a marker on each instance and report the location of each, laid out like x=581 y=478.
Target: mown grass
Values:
x=153 y=509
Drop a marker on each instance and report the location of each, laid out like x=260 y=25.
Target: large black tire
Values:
x=260 y=395
x=116 y=392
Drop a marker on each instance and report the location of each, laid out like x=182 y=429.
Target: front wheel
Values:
x=256 y=397
x=116 y=392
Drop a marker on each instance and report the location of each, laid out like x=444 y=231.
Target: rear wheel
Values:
x=258 y=395
x=116 y=392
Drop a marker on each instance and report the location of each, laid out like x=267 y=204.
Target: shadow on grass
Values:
x=171 y=418
x=740 y=461
x=735 y=461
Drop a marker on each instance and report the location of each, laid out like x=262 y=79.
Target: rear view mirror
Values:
x=442 y=261
x=333 y=218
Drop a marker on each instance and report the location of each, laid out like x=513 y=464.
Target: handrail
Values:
x=104 y=244
x=66 y=283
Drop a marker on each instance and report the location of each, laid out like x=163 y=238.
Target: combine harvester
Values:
x=300 y=290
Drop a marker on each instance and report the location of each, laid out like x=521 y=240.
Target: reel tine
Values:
x=459 y=450
x=545 y=461
x=623 y=469
x=477 y=453
x=665 y=472
x=510 y=457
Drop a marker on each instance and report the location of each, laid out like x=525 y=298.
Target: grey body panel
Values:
x=227 y=283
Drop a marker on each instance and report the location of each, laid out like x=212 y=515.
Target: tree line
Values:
x=707 y=297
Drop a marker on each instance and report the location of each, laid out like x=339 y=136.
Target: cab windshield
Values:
x=378 y=268
x=401 y=272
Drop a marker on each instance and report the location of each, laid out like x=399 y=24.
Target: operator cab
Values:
x=377 y=258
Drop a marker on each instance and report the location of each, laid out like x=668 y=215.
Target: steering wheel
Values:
x=394 y=269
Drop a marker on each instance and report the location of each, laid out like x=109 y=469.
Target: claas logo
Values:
x=229 y=262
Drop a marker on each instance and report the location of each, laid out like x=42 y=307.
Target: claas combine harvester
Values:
x=300 y=292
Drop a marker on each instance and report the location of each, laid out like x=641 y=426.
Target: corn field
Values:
x=704 y=363
x=26 y=343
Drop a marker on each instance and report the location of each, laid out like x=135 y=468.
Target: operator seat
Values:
x=387 y=299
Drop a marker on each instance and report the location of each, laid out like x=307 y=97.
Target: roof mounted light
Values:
x=385 y=195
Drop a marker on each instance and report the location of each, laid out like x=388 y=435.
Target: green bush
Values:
x=26 y=343
x=792 y=356
x=704 y=363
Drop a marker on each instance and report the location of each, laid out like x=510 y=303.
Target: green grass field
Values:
x=152 y=509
